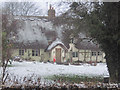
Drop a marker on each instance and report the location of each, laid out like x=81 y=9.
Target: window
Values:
x=93 y=53
x=75 y=54
x=35 y=52
x=99 y=53
x=21 y=51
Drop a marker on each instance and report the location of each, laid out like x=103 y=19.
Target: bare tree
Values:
x=9 y=10
x=21 y=8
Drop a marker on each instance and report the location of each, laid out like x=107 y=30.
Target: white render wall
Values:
x=85 y=55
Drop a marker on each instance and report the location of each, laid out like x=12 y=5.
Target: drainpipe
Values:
x=85 y=56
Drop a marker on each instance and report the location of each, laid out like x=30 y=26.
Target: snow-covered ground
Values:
x=25 y=68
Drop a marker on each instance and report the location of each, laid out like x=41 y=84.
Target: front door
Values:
x=58 y=55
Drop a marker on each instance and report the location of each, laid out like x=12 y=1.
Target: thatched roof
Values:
x=34 y=45
x=87 y=45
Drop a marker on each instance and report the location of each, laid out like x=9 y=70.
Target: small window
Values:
x=35 y=52
x=75 y=54
x=99 y=53
x=21 y=51
x=93 y=53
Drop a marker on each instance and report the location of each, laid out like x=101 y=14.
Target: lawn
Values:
x=26 y=68
x=26 y=71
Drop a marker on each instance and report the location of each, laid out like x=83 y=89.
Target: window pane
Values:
x=99 y=53
x=73 y=54
x=22 y=52
x=19 y=52
x=36 y=52
x=33 y=53
x=76 y=54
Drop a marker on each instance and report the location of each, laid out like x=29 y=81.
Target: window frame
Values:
x=21 y=52
x=99 y=53
x=75 y=54
x=35 y=52
x=93 y=53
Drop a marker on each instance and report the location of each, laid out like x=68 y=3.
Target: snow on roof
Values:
x=87 y=44
x=31 y=30
x=31 y=34
x=54 y=43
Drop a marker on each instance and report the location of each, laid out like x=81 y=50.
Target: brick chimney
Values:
x=51 y=12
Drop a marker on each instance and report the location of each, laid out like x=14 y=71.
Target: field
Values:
x=26 y=68
x=31 y=72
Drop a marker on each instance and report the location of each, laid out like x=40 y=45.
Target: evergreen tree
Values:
x=103 y=27
x=103 y=22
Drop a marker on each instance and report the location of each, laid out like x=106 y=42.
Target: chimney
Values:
x=51 y=12
x=50 y=6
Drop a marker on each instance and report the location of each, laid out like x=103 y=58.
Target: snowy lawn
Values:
x=37 y=73
x=25 y=68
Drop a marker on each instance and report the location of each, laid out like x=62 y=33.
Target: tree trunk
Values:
x=111 y=64
x=118 y=67
x=119 y=74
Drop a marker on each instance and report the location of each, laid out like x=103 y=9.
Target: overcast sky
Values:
x=43 y=5
x=60 y=6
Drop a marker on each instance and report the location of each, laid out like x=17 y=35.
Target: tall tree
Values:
x=9 y=24
x=103 y=23
x=0 y=36
x=103 y=27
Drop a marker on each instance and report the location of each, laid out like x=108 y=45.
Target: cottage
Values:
x=82 y=51
x=37 y=39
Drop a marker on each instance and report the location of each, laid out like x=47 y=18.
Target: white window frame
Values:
x=75 y=54
x=21 y=52
x=35 y=52
x=93 y=53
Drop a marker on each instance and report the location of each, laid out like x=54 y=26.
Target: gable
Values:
x=59 y=46
x=56 y=43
